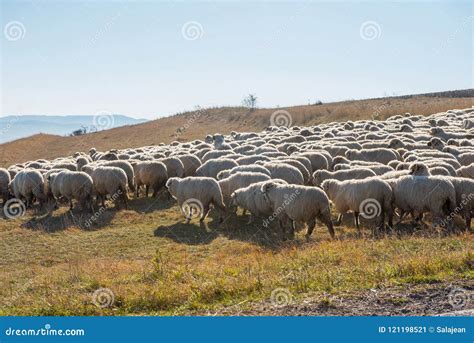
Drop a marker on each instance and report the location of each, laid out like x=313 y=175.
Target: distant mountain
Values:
x=15 y=127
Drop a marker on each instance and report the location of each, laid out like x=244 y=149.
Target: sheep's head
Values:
x=171 y=185
x=328 y=185
x=419 y=168
x=223 y=174
x=318 y=177
x=396 y=143
x=435 y=131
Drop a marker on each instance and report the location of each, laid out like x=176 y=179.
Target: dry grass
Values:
x=221 y=120
x=156 y=264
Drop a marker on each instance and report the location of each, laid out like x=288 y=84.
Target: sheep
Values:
x=419 y=194
x=29 y=184
x=251 y=199
x=466 y=158
x=152 y=174
x=190 y=163
x=110 y=181
x=285 y=172
x=212 y=167
x=299 y=204
x=239 y=180
x=381 y=155
x=72 y=185
x=5 y=180
x=127 y=168
x=174 y=166
x=464 y=189
x=196 y=193
x=370 y=197
x=214 y=154
x=81 y=161
x=341 y=175
x=466 y=171
x=245 y=168
x=318 y=160
x=300 y=166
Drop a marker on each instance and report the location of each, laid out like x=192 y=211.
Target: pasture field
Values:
x=151 y=263
x=156 y=265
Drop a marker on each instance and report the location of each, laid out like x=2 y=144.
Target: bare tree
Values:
x=250 y=101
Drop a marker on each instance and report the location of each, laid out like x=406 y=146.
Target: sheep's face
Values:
x=171 y=185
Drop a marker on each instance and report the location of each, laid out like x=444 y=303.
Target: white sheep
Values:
x=110 y=181
x=27 y=185
x=371 y=198
x=152 y=174
x=299 y=204
x=72 y=185
x=349 y=174
x=212 y=167
x=239 y=180
x=196 y=194
x=4 y=182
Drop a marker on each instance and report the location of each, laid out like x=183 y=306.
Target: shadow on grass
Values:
x=233 y=227
x=85 y=220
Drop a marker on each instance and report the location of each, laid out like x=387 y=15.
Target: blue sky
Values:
x=133 y=58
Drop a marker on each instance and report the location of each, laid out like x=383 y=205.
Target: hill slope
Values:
x=200 y=122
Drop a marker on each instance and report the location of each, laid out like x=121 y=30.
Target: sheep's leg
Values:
x=147 y=188
x=339 y=220
x=204 y=213
x=125 y=199
x=356 y=220
x=468 y=222
x=310 y=229
x=244 y=212
x=137 y=194
x=190 y=215
x=250 y=221
x=70 y=204
x=402 y=214
x=283 y=231
x=292 y=229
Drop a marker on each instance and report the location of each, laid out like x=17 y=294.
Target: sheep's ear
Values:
x=266 y=187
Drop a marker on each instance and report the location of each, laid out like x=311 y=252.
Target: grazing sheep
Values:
x=239 y=180
x=466 y=171
x=381 y=155
x=212 y=167
x=152 y=174
x=369 y=197
x=285 y=172
x=110 y=181
x=174 y=166
x=255 y=168
x=200 y=192
x=464 y=189
x=27 y=185
x=4 y=182
x=190 y=163
x=419 y=194
x=127 y=168
x=350 y=174
x=72 y=185
x=299 y=204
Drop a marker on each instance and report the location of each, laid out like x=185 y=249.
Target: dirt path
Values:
x=432 y=299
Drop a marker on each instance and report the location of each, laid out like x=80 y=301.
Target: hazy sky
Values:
x=149 y=59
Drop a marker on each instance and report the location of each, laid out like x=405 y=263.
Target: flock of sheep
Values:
x=406 y=164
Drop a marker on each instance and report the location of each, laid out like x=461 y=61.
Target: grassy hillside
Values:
x=223 y=120
x=154 y=264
